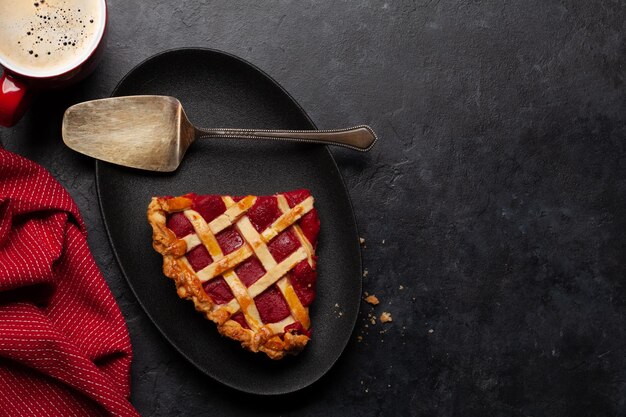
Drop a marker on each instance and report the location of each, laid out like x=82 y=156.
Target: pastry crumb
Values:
x=361 y=240
x=365 y=272
x=383 y=241
x=359 y=338
x=373 y=320
x=431 y=331
x=401 y=287
x=372 y=299
x=385 y=317
x=337 y=305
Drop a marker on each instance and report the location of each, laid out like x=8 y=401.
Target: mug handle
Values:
x=14 y=99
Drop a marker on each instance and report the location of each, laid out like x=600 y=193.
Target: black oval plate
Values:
x=221 y=90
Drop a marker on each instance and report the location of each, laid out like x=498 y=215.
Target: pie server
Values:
x=153 y=132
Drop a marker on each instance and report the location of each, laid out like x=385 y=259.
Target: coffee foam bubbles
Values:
x=49 y=37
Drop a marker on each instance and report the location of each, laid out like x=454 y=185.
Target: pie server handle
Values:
x=360 y=138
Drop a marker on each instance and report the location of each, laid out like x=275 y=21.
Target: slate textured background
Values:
x=496 y=198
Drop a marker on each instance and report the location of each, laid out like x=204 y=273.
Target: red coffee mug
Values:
x=17 y=87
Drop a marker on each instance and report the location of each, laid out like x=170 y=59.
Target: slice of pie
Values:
x=247 y=263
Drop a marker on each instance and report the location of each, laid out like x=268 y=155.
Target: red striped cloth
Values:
x=64 y=346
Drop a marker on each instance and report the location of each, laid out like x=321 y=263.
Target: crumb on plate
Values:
x=385 y=317
x=372 y=299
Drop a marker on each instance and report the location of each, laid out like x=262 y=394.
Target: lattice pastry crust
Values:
x=222 y=237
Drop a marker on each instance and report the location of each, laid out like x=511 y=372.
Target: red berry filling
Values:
x=283 y=245
x=250 y=271
x=219 y=290
x=199 y=258
x=263 y=213
x=208 y=206
x=297 y=328
x=310 y=225
x=303 y=279
x=296 y=196
x=239 y=318
x=229 y=239
x=272 y=305
x=178 y=223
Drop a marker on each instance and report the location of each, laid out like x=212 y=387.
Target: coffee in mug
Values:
x=48 y=37
x=46 y=44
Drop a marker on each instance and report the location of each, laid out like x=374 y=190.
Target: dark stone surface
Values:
x=496 y=197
